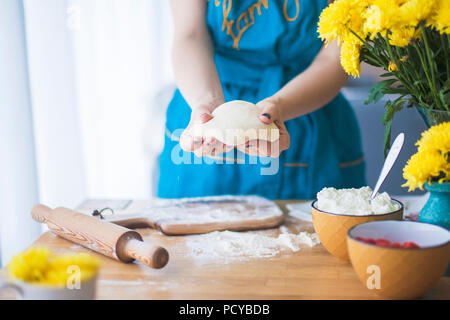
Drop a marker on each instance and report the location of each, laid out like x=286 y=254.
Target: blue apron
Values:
x=259 y=46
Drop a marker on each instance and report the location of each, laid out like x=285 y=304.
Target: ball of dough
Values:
x=236 y=122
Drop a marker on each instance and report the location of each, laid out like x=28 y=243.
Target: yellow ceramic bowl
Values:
x=399 y=273
x=332 y=228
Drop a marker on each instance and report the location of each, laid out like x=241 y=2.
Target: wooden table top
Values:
x=311 y=273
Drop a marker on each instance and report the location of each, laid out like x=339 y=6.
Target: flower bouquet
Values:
x=430 y=166
x=409 y=39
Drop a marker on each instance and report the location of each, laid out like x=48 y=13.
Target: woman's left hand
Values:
x=270 y=112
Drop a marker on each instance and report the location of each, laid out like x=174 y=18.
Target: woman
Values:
x=266 y=52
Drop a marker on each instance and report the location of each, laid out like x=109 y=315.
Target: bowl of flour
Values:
x=337 y=210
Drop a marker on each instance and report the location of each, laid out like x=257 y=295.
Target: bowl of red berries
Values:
x=399 y=259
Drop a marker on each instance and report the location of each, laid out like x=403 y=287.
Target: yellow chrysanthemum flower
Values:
x=381 y=16
x=60 y=267
x=402 y=36
x=392 y=66
x=351 y=22
x=412 y=12
x=350 y=58
x=423 y=167
x=340 y=21
x=437 y=138
x=340 y=18
x=332 y=22
x=432 y=161
x=30 y=265
x=441 y=17
x=42 y=267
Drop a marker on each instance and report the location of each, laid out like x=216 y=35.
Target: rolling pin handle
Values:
x=40 y=213
x=152 y=256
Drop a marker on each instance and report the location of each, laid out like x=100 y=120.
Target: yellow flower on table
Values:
x=42 y=267
x=30 y=265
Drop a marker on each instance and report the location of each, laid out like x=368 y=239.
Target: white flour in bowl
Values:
x=355 y=202
x=227 y=246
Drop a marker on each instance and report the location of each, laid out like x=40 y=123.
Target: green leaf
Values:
x=397 y=90
x=417 y=82
x=378 y=90
x=446 y=85
x=387 y=137
x=442 y=97
x=370 y=62
x=445 y=97
x=391 y=108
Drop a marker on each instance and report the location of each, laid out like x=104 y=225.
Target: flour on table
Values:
x=142 y=284
x=121 y=282
x=77 y=247
x=228 y=246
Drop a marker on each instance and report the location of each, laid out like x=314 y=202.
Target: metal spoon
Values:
x=389 y=162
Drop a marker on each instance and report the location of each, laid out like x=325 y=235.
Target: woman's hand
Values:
x=197 y=144
x=270 y=112
x=198 y=79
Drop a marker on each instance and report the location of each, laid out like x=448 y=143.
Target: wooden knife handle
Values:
x=150 y=255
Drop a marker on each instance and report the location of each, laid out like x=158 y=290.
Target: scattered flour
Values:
x=77 y=247
x=355 y=202
x=135 y=283
x=121 y=282
x=228 y=246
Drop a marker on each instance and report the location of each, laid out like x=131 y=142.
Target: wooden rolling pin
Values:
x=104 y=237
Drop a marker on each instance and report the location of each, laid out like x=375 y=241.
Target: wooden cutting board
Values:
x=192 y=215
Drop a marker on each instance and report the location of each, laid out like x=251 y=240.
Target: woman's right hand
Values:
x=199 y=145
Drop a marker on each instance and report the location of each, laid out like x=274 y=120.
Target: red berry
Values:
x=386 y=243
x=383 y=242
x=410 y=245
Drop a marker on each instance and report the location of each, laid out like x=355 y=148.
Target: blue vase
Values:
x=437 y=209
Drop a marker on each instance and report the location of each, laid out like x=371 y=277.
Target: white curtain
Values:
x=95 y=83
x=122 y=55
x=18 y=177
